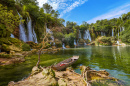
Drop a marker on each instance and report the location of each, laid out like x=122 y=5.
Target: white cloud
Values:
x=71 y=7
x=56 y=4
x=113 y=13
x=65 y=5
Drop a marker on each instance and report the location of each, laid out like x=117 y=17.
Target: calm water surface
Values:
x=114 y=59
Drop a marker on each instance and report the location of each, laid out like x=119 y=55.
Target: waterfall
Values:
x=112 y=33
x=31 y=32
x=63 y=46
x=34 y=36
x=22 y=30
x=31 y=35
x=29 y=27
x=12 y=36
x=48 y=31
x=85 y=43
x=123 y=28
x=120 y=29
x=103 y=34
x=118 y=38
x=75 y=42
x=87 y=35
x=79 y=34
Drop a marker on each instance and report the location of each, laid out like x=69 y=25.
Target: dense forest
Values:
x=15 y=12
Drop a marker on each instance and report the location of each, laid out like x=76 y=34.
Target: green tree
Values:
x=8 y=21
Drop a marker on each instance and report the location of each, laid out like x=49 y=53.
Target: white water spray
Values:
x=22 y=30
x=87 y=35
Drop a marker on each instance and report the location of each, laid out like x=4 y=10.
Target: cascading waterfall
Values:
x=12 y=36
x=75 y=42
x=123 y=28
x=112 y=32
x=118 y=38
x=87 y=35
x=48 y=31
x=22 y=30
x=79 y=34
x=31 y=32
x=63 y=46
x=31 y=35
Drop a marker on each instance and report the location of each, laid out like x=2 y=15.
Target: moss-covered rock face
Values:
x=26 y=47
x=104 y=41
x=81 y=41
x=12 y=44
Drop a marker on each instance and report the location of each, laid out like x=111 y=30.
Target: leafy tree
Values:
x=48 y=8
x=8 y=21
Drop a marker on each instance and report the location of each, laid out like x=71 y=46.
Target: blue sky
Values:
x=88 y=10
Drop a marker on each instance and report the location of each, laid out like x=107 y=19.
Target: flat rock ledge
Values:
x=49 y=77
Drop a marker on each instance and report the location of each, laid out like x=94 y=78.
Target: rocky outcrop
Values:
x=49 y=77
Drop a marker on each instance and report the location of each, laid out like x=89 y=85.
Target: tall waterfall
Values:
x=63 y=46
x=79 y=34
x=31 y=32
x=112 y=32
x=31 y=35
x=22 y=30
x=87 y=35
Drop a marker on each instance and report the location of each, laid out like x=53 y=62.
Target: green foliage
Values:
x=69 y=39
x=8 y=21
x=104 y=41
x=125 y=37
x=26 y=47
x=58 y=35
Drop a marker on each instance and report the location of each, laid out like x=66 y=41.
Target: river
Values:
x=114 y=59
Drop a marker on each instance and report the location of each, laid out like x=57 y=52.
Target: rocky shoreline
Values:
x=49 y=77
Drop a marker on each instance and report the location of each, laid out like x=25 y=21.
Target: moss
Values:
x=104 y=41
x=5 y=56
x=5 y=47
x=25 y=47
x=4 y=41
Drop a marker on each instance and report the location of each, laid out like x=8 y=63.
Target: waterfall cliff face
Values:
x=87 y=35
x=29 y=34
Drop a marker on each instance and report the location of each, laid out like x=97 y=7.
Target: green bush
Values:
x=26 y=47
x=58 y=44
x=104 y=41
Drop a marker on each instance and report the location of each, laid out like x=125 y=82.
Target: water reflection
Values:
x=114 y=59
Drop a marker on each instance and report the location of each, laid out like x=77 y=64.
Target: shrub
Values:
x=26 y=47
